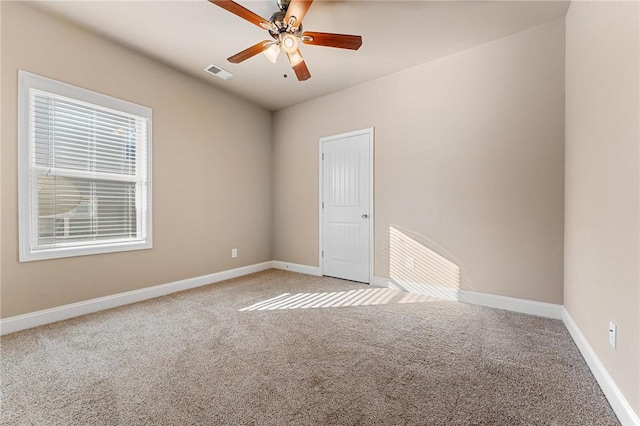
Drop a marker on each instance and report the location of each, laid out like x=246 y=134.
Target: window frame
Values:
x=28 y=81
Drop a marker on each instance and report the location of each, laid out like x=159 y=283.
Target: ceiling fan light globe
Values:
x=272 y=52
x=289 y=43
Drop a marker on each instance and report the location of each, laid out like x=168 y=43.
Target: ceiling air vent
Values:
x=218 y=72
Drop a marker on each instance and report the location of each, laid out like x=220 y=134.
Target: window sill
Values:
x=57 y=253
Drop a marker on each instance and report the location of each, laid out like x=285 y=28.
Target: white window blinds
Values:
x=88 y=175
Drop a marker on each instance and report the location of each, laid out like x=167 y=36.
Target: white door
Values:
x=346 y=196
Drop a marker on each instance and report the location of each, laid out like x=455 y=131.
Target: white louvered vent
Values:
x=218 y=72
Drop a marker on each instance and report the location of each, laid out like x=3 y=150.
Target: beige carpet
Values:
x=213 y=356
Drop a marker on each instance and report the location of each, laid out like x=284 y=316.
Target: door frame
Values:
x=370 y=132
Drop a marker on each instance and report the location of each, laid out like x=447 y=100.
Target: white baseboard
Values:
x=531 y=307
x=542 y=309
x=437 y=291
x=620 y=406
x=47 y=316
x=295 y=267
x=379 y=282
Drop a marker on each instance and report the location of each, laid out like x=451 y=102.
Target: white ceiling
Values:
x=191 y=34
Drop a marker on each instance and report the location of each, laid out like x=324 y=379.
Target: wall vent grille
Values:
x=218 y=72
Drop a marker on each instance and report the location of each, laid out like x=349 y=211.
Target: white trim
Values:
x=617 y=400
x=437 y=291
x=79 y=93
x=47 y=316
x=531 y=307
x=372 y=216
x=28 y=81
x=295 y=267
x=371 y=133
x=320 y=209
x=380 y=282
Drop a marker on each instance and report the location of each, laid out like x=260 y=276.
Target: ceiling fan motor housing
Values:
x=283 y=4
x=277 y=19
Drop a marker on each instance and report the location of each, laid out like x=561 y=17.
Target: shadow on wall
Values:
x=418 y=269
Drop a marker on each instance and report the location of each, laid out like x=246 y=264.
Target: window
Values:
x=84 y=171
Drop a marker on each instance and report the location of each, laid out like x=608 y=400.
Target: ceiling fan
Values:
x=285 y=27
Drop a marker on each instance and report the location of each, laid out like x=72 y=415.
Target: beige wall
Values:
x=211 y=183
x=602 y=253
x=469 y=161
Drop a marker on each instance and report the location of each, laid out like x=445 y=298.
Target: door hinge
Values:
x=323 y=204
x=323 y=253
x=323 y=155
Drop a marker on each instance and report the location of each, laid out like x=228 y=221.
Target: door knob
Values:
x=365 y=216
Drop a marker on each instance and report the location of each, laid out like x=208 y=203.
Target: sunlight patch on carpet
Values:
x=362 y=297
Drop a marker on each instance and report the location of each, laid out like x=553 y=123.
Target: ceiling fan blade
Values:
x=302 y=72
x=300 y=68
x=342 y=41
x=297 y=9
x=248 y=53
x=243 y=13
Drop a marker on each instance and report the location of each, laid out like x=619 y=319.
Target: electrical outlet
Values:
x=234 y=253
x=613 y=334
